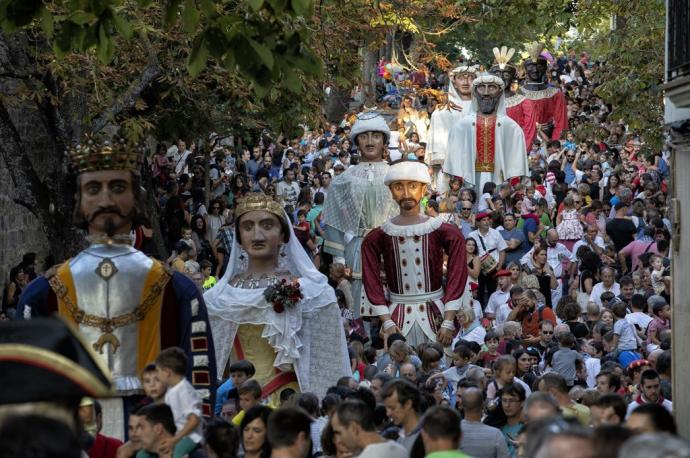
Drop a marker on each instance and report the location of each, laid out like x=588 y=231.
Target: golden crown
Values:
x=258 y=201
x=503 y=56
x=534 y=50
x=93 y=154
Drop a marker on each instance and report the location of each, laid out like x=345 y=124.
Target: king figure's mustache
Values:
x=101 y=211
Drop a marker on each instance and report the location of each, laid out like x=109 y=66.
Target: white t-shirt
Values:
x=185 y=401
x=496 y=300
x=626 y=333
x=639 y=319
x=502 y=314
x=599 y=289
x=387 y=449
x=482 y=204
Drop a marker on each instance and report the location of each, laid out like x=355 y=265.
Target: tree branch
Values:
x=126 y=100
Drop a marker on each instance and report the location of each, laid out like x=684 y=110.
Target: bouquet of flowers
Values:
x=283 y=295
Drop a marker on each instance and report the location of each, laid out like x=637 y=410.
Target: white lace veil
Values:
x=229 y=306
x=294 y=259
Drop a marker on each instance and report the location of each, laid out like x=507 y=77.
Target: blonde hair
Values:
x=446 y=206
x=593 y=309
x=468 y=313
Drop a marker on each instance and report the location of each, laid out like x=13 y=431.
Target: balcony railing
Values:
x=678 y=39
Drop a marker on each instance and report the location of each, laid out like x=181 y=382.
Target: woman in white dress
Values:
x=298 y=344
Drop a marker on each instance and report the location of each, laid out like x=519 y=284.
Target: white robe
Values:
x=441 y=123
x=510 y=159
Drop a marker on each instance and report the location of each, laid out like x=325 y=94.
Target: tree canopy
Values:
x=187 y=66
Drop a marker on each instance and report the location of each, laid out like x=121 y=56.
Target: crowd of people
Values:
x=564 y=350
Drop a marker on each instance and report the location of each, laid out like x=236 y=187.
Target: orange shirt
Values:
x=531 y=321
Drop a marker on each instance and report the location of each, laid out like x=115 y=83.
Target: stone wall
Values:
x=20 y=230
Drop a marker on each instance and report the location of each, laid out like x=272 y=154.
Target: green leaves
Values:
x=190 y=17
x=105 y=48
x=266 y=43
x=18 y=13
x=302 y=7
x=198 y=56
x=263 y=52
x=256 y=5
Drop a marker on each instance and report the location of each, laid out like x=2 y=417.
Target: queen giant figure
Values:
x=295 y=340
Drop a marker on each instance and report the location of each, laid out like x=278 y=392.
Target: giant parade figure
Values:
x=127 y=306
x=486 y=145
x=445 y=116
x=412 y=248
x=516 y=106
x=358 y=200
x=273 y=308
x=547 y=102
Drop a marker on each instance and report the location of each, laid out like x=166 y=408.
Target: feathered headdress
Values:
x=503 y=56
x=534 y=50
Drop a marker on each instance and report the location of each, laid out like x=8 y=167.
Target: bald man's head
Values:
x=472 y=399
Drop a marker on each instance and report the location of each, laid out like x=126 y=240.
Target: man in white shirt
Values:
x=650 y=393
x=504 y=310
x=490 y=241
x=501 y=295
x=608 y=283
x=180 y=154
x=353 y=424
x=287 y=190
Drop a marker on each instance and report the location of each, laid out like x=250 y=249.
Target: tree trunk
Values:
x=369 y=71
x=337 y=104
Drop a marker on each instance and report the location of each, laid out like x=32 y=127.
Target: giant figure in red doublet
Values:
x=548 y=103
x=486 y=145
x=411 y=247
x=517 y=108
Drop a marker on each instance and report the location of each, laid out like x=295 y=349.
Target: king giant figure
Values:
x=486 y=145
x=358 y=200
x=127 y=306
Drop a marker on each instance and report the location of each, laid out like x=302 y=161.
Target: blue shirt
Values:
x=516 y=254
x=530 y=226
x=569 y=173
x=222 y=395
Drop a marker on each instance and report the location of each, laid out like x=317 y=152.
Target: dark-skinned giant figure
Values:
x=516 y=107
x=547 y=102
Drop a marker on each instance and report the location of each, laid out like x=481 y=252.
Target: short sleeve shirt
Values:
x=626 y=333
x=185 y=401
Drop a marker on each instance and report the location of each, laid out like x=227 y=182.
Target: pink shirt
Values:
x=638 y=247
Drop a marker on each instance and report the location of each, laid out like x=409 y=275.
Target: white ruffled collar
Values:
x=428 y=226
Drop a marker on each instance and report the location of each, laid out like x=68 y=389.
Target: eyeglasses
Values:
x=547 y=332
x=466 y=208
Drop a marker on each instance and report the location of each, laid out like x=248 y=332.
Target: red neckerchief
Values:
x=639 y=400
